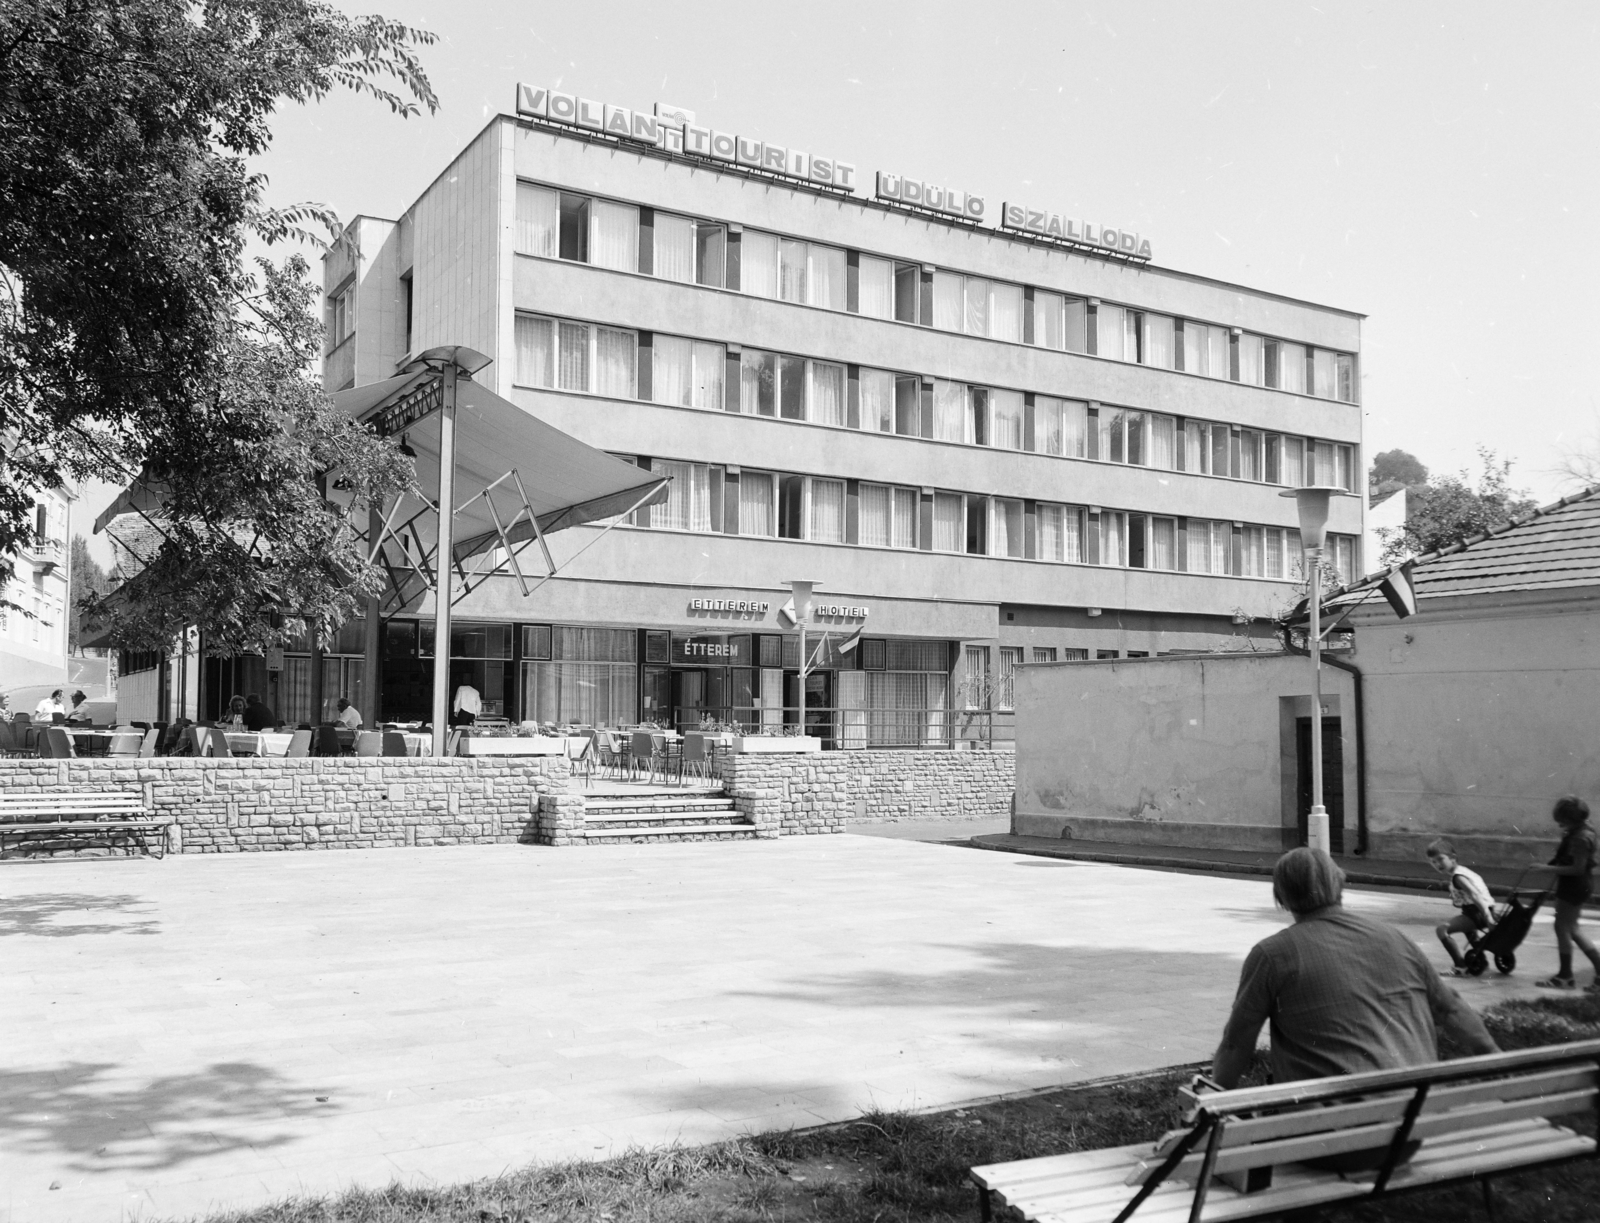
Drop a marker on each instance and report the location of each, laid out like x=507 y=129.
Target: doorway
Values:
x=819 y=703
x=1332 y=778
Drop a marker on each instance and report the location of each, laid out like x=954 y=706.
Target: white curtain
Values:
x=1006 y=419
x=949 y=411
x=755 y=503
x=827 y=393
x=877 y=400
x=978 y=313
x=877 y=515
x=1217 y=337
x=616 y=363
x=536 y=351
x=1077 y=325
x=674 y=248
x=1108 y=332
x=1113 y=538
x=574 y=357
x=1322 y=358
x=1005 y=322
x=1194 y=446
x=827 y=274
x=1294 y=462
x=875 y=288
x=538 y=221
x=1049 y=320
x=614 y=236
x=1132 y=321
x=1221 y=546
x=1275 y=553
x=1296 y=555
x=688 y=504
x=1250 y=359
x=1254 y=552
x=758 y=264
x=1049 y=527
x=1292 y=368
x=1048 y=425
x=709 y=363
x=1163 y=543
x=827 y=512
x=1075 y=429
x=1196 y=349
x=792 y=271
x=905 y=518
x=1158 y=340
x=1072 y=534
x=1199 y=560
x=1007 y=539
x=949 y=523
x=1163 y=443
x=1322 y=469
x=758 y=383
x=672 y=370
x=948 y=306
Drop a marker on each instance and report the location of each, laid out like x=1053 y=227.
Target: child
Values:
x=1574 y=869
x=1469 y=894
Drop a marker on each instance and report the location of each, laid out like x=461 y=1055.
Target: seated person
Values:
x=233 y=716
x=258 y=715
x=50 y=709
x=80 y=711
x=349 y=716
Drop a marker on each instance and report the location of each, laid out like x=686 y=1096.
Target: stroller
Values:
x=1501 y=940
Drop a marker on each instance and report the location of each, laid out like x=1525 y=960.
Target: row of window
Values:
x=572 y=356
x=625 y=237
x=715 y=499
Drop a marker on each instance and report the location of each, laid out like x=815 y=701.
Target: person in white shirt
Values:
x=467 y=705
x=349 y=715
x=1468 y=893
x=45 y=711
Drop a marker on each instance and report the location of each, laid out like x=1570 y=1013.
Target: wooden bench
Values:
x=1242 y=1153
x=63 y=820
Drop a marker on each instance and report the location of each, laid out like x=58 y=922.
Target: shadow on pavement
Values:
x=81 y=1111
x=37 y=915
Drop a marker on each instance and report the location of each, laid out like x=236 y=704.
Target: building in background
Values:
x=33 y=640
x=986 y=445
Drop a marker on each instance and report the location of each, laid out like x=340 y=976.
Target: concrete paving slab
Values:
x=218 y=1031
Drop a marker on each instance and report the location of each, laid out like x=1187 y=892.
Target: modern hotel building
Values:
x=1003 y=436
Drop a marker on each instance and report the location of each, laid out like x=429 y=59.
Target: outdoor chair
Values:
x=369 y=743
x=326 y=741
x=60 y=743
x=583 y=761
x=125 y=744
x=394 y=744
x=299 y=743
x=696 y=759
x=8 y=741
x=641 y=752
x=25 y=718
x=219 y=745
x=147 y=746
x=41 y=746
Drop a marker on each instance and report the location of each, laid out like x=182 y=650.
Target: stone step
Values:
x=605 y=809
x=722 y=832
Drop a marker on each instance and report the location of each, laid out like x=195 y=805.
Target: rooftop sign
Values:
x=1075 y=233
x=925 y=195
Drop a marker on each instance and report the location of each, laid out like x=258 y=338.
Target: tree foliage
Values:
x=1450 y=509
x=1393 y=470
x=89 y=580
x=129 y=325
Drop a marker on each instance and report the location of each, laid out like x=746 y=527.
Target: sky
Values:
x=1431 y=165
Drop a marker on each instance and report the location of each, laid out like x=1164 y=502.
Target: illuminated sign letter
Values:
x=799 y=164
x=911 y=190
x=1129 y=242
x=1052 y=227
x=697 y=140
x=1109 y=237
x=747 y=152
x=619 y=120
x=1072 y=231
x=1144 y=249
x=844 y=174
x=1088 y=233
x=932 y=197
x=774 y=157
x=976 y=207
x=591 y=114
x=888 y=186
x=646 y=128
x=531 y=101
x=821 y=169
x=723 y=146
x=672 y=139
x=1012 y=215
x=562 y=106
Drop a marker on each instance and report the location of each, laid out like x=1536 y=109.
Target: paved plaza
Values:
x=210 y=1031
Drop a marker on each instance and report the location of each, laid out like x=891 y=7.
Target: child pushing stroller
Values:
x=1470 y=895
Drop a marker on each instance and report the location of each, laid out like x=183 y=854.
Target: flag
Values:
x=853 y=640
x=1401 y=591
x=787 y=616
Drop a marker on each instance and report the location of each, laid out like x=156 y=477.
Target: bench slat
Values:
x=1048 y=1165
x=85 y=825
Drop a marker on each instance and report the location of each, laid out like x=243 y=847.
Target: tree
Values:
x=88 y=581
x=1393 y=470
x=1448 y=509
x=127 y=316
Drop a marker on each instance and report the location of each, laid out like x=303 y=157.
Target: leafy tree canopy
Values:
x=88 y=581
x=1393 y=470
x=132 y=334
x=1449 y=509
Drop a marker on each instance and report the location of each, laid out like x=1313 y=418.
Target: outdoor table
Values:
x=258 y=743
x=512 y=745
x=418 y=745
x=90 y=742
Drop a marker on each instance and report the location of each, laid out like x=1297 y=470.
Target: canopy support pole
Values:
x=444 y=552
x=372 y=660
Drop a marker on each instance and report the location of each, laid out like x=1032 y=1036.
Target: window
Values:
x=1010 y=660
x=876 y=389
x=538 y=221
x=975 y=689
x=614 y=236
x=687 y=373
x=949 y=525
x=1044 y=653
x=1125 y=437
x=1060 y=322
x=1158 y=337
x=758 y=383
x=1205 y=350
x=1008 y=531
x=572 y=356
x=1250 y=455
x=1060 y=426
x=1060 y=533
x=688 y=504
x=341 y=316
x=586 y=675
x=1276 y=556
x=782 y=268
x=1294 y=462
x=1344 y=377
x=1341 y=553
x=1252 y=359
x=1347 y=468
x=1208 y=546
x=1163 y=441
x=791 y=507
x=875 y=288
x=977 y=526
x=827 y=511
x=1164 y=543
x=949 y=411
x=888 y=516
x=827 y=394
x=1291 y=367
x=1108 y=329
x=689 y=250
x=756 y=504
x=573 y=241
x=1320 y=469
x=908 y=293
x=1253 y=554
x=1113 y=538
x=771 y=384
x=976 y=306
x=1005 y=408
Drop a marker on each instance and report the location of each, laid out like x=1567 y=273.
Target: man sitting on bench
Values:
x=1344 y=993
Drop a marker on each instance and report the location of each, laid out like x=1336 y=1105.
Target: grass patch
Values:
x=912 y=1167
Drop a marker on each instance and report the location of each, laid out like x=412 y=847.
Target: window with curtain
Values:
x=1133 y=336
x=1108 y=329
x=1077 y=324
x=1049 y=525
x=536 y=351
x=1163 y=442
x=949 y=301
x=793 y=271
x=1196 y=449
x=875 y=288
x=1344 y=376
x=1049 y=425
x=1158 y=337
x=710 y=254
x=1199 y=558
x=877 y=515
x=1275 y=553
x=1254 y=552
x=826 y=524
x=905 y=518
x=1272 y=458
x=977 y=316
x=758 y=383
x=538 y=221
x=826 y=276
x=1114 y=538
x=1006 y=415
x=756 y=504
x=572 y=360
x=1322 y=373
x=1007 y=530
x=949 y=523
x=977 y=429
x=827 y=393
x=1196 y=348
x=688 y=504
x=949 y=411
x=1164 y=543
x=1292 y=367
x=877 y=400
x=758 y=264
x=1221 y=344
x=614 y=236
x=1005 y=312
x=1049 y=319
x=1252 y=359
x=616 y=363
x=1250 y=455
x=1294 y=462
x=674 y=248
x=1294 y=554
x=1322 y=467
x=1221 y=547
x=710 y=362
x=672 y=370
x=1221 y=450
x=1348 y=471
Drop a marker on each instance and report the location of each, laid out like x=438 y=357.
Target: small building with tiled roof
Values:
x=1466 y=719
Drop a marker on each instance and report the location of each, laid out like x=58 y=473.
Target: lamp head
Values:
x=802 y=597
x=1312 y=506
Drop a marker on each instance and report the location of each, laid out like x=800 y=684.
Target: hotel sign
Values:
x=839 y=611
x=674 y=131
x=925 y=195
x=758 y=607
x=1078 y=233
x=719 y=650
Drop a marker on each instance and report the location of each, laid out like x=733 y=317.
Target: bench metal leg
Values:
x=984 y=1211
x=1488 y=1199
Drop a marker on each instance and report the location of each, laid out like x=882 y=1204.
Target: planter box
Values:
x=494 y=745
x=774 y=743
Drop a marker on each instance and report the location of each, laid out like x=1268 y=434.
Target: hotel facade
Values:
x=990 y=435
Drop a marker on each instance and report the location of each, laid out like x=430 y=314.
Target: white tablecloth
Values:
x=264 y=743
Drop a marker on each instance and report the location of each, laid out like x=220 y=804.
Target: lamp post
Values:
x=1312 y=507
x=801 y=592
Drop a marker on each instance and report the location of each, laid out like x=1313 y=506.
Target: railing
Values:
x=853 y=729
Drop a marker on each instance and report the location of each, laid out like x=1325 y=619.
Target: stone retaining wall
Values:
x=232 y=806
x=823 y=792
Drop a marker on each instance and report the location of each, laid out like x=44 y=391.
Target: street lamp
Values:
x=1312 y=506
x=801 y=601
